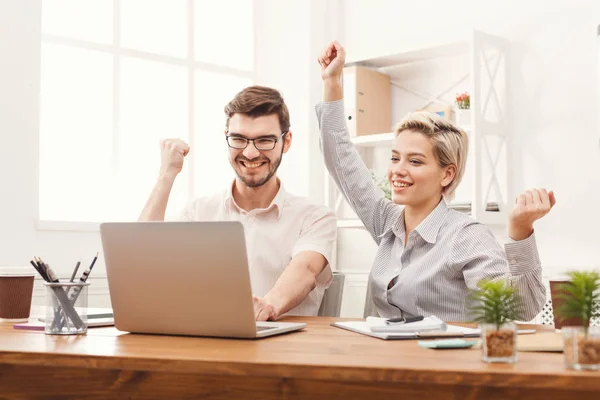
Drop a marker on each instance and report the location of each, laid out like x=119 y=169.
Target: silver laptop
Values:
x=182 y=278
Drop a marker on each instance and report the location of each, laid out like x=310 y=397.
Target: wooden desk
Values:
x=320 y=362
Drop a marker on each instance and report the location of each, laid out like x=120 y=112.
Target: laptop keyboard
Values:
x=263 y=328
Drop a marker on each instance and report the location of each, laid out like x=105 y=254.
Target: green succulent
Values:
x=495 y=302
x=579 y=296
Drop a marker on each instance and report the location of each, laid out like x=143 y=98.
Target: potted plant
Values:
x=580 y=298
x=463 y=113
x=383 y=184
x=495 y=306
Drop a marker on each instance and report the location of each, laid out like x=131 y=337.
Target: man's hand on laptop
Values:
x=263 y=311
x=173 y=152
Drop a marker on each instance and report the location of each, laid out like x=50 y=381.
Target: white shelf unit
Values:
x=425 y=77
x=384 y=139
x=431 y=77
x=380 y=139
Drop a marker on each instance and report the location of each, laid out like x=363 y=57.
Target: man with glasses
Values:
x=290 y=241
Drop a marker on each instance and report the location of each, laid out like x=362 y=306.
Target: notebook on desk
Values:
x=426 y=324
x=376 y=327
x=95 y=317
x=542 y=342
x=429 y=328
x=39 y=325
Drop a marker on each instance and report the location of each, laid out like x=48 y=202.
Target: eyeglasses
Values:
x=261 y=143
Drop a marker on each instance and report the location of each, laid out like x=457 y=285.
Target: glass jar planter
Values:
x=499 y=345
x=582 y=352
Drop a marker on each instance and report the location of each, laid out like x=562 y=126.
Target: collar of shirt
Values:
x=428 y=229
x=277 y=203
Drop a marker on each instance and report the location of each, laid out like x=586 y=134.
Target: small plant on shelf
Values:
x=495 y=306
x=463 y=101
x=580 y=298
x=383 y=184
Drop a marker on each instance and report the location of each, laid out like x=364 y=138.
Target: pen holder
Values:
x=66 y=308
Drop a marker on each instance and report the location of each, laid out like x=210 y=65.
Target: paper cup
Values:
x=16 y=292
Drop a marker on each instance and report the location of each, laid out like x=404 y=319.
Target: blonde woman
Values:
x=428 y=256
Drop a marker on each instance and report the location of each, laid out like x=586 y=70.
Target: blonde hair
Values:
x=450 y=143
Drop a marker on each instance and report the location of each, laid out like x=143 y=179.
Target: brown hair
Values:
x=450 y=143
x=257 y=101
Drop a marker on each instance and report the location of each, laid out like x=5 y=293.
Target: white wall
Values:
x=289 y=35
x=285 y=46
x=19 y=93
x=554 y=98
x=281 y=42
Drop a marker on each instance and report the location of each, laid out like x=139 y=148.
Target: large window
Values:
x=119 y=75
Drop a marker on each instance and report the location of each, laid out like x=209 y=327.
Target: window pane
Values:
x=75 y=133
x=211 y=163
x=156 y=26
x=224 y=33
x=90 y=20
x=154 y=106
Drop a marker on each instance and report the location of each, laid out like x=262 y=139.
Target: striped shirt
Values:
x=444 y=257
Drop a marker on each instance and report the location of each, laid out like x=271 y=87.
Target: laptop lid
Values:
x=182 y=278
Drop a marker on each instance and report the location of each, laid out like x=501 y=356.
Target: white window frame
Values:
x=118 y=52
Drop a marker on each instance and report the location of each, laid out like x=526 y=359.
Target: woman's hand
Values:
x=332 y=60
x=530 y=206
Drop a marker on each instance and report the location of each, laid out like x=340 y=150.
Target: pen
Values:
x=94 y=261
x=75 y=293
x=404 y=320
x=86 y=273
x=75 y=271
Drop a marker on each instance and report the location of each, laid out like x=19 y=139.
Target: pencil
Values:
x=94 y=261
x=43 y=269
x=38 y=269
x=51 y=275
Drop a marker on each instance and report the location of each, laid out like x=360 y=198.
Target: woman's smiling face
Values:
x=414 y=174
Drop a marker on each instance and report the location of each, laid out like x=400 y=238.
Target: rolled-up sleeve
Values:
x=482 y=257
x=526 y=274
x=318 y=234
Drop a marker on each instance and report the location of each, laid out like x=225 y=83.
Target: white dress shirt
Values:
x=274 y=235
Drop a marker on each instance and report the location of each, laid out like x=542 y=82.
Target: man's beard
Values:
x=255 y=184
